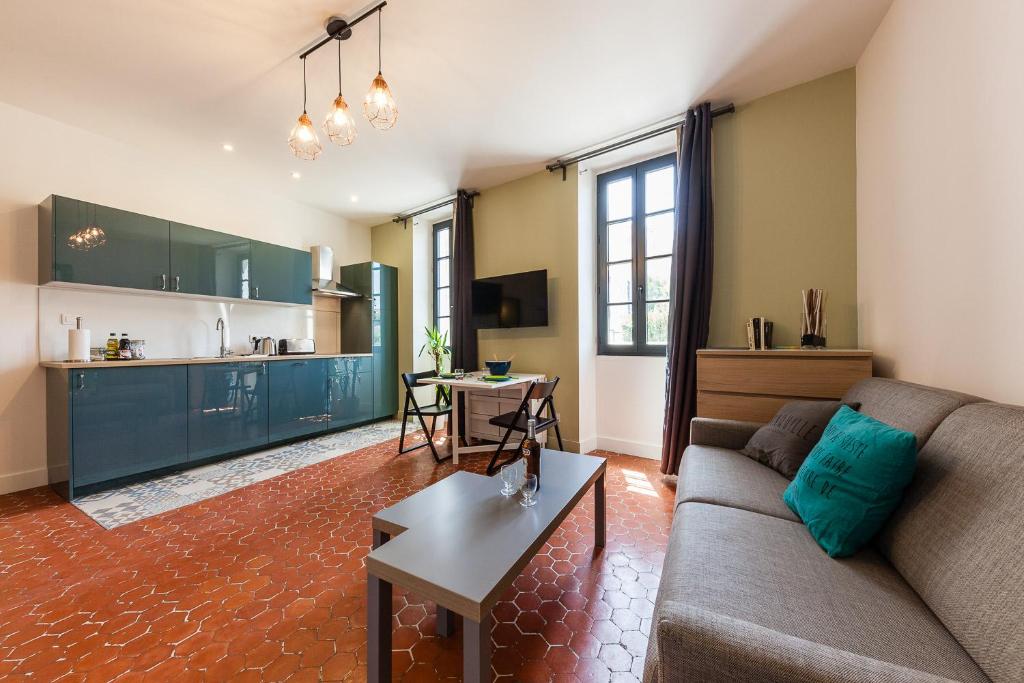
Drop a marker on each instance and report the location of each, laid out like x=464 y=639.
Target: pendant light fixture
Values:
x=303 y=141
x=339 y=124
x=379 y=106
x=88 y=237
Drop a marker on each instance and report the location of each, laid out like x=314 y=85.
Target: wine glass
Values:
x=529 y=491
x=509 y=479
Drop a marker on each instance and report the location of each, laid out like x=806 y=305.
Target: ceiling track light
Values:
x=339 y=125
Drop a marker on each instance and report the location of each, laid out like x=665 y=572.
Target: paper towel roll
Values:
x=78 y=344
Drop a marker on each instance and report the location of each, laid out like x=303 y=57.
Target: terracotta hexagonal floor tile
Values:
x=267 y=583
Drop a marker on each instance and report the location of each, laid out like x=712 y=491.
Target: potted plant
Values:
x=437 y=348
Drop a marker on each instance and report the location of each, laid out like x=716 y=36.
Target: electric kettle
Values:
x=264 y=346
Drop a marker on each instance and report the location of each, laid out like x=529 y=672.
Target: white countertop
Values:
x=68 y=365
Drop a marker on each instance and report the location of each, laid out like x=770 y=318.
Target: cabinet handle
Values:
x=81 y=381
x=177 y=283
x=256 y=292
x=163 y=281
x=299 y=362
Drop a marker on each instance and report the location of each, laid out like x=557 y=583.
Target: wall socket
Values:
x=67 y=319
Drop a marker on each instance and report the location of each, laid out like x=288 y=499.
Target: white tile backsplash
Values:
x=173 y=327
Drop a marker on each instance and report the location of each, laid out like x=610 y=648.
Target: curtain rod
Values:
x=568 y=161
x=404 y=217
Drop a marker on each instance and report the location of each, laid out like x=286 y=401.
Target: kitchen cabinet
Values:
x=208 y=262
x=298 y=398
x=350 y=391
x=227 y=408
x=370 y=325
x=127 y=420
x=280 y=274
x=384 y=316
x=143 y=252
x=135 y=252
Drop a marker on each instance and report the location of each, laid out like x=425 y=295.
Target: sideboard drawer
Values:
x=753 y=385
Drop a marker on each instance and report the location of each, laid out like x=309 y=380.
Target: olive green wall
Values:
x=392 y=245
x=785 y=211
x=529 y=224
x=785 y=219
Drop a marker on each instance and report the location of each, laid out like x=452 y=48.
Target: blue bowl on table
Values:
x=498 y=367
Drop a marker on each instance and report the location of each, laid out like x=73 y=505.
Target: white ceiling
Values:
x=487 y=90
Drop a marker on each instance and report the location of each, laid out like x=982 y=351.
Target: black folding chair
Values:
x=518 y=421
x=433 y=411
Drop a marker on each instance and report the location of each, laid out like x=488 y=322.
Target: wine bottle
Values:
x=530 y=450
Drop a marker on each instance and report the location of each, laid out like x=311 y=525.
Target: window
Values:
x=635 y=224
x=443 y=277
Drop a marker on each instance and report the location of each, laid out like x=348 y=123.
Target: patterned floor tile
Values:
x=134 y=502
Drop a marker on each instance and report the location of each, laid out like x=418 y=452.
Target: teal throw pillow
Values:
x=852 y=481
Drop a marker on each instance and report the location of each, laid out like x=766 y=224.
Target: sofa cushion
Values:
x=958 y=536
x=725 y=477
x=770 y=572
x=911 y=407
x=784 y=443
x=852 y=481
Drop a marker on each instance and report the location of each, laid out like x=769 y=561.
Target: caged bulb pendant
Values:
x=303 y=141
x=339 y=124
x=379 y=107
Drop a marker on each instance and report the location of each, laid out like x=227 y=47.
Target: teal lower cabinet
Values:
x=228 y=409
x=125 y=421
x=107 y=424
x=351 y=391
x=298 y=398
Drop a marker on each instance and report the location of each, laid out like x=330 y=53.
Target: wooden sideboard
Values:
x=738 y=384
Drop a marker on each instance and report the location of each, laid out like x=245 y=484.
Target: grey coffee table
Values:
x=460 y=543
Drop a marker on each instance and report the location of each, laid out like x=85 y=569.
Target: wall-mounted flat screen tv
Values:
x=518 y=300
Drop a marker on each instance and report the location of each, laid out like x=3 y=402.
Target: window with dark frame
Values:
x=635 y=225
x=443 y=277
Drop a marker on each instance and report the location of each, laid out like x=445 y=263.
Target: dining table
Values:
x=474 y=382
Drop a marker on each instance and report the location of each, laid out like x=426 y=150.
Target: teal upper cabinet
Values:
x=208 y=262
x=89 y=244
x=280 y=274
x=134 y=251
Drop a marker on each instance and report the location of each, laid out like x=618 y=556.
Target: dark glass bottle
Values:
x=530 y=450
x=124 y=348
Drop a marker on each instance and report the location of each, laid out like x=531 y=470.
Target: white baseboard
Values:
x=588 y=444
x=19 y=481
x=651 y=451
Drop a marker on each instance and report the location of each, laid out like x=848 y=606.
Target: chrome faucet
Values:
x=224 y=352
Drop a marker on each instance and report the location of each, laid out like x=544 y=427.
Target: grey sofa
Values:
x=747 y=595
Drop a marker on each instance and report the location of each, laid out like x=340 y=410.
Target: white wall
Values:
x=43 y=157
x=940 y=176
x=622 y=398
x=172 y=327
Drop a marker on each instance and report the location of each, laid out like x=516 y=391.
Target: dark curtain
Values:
x=463 y=340
x=690 y=295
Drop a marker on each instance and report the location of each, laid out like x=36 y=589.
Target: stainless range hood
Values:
x=323 y=272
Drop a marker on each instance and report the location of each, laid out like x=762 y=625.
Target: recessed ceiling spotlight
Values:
x=296 y=175
x=354 y=198
x=228 y=147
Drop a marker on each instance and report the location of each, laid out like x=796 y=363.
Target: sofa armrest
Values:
x=707 y=431
x=698 y=645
